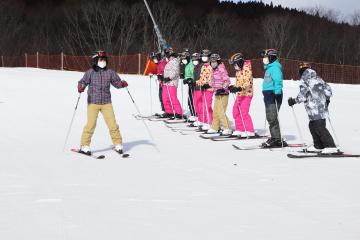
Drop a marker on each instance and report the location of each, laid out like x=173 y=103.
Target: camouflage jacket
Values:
x=313 y=93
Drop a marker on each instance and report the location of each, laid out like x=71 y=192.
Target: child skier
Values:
x=171 y=80
x=244 y=88
x=197 y=98
x=98 y=80
x=272 y=91
x=219 y=83
x=161 y=63
x=189 y=80
x=204 y=101
x=315 y=93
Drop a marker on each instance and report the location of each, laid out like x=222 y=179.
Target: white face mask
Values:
x=155 y=60
x=266 y=60
x=214 y=65
x=101 y=64
x=196 y=62
x=205 y=59
x=184 y=61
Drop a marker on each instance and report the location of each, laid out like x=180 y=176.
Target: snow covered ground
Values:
x=192 y=189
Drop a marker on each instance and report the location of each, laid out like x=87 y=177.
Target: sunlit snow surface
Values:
x=193 y=189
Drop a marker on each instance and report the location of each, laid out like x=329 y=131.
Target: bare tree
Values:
x=96 y=25
x=277 y=32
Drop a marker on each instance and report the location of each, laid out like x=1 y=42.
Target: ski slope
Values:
x=192 y=189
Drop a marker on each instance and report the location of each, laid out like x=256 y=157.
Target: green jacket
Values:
x=189 y=71
x=273 y=79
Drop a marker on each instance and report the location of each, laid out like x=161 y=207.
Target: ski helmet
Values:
x=155 y=55
x=205 y=53
x=195 y=56
x=272 y=54
x=238 y=59
x=214 y=57
x=168 y=51
x=100 y=54
x=303 y=66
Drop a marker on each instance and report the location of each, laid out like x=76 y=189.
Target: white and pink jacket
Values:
x=220 y=78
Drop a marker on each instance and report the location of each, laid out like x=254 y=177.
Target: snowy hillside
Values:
x=192 y=189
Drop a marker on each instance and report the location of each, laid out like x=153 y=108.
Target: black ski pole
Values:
x=146 y=126
x=71 y=123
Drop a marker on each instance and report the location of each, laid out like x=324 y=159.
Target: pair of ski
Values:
x=217 y=137
x=155 y=118
x=302 y=153
x=124 y=155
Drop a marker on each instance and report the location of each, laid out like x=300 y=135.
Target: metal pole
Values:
x=139 y=63
x=298 y=126
x=62 y=61
x=71 y=123
x=37 y=59
x=146 y=126
x=161 y=41
x=26 y=60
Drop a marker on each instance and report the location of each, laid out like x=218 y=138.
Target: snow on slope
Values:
x=192 y=189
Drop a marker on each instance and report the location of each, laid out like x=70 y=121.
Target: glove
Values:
x=81 y=88
x=234 y=89
x=167 y=79
x=220 y=92
x=160 y=77
x=123 y=84
x=205 y=86
x=291 y=102
x=327 y=103
x=188 y=81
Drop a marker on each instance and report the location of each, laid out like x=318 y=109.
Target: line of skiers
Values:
x=209 y=89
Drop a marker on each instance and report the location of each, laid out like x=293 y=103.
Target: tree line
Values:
x=78 y=27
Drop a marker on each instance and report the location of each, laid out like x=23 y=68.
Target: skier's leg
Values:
x=325 y=136
x=92 y=114
x=224 y=100
x=236 y=115
x=161 y=97
x=109 y=117
x=175 y=101
x=166 y=100
x=198 y=105
x=191 y=100
x=209 y=102
x=216 y=114
x=245 y=107
x=271 y=116
x=313 y=126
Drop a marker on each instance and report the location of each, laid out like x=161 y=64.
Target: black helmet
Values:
x=99 y=54
x=303 y=66
x=269 y=52
x=168 y=51
x=195 y=56
x=272 y=54
x=205 y=53
x=155 y=55
x=237 y=59
x=185 y=55
x=214 y=57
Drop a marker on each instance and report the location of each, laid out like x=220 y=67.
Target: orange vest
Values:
x=151 y=67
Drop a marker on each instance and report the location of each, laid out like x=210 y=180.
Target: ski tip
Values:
x=126 y=155
x=101 y=157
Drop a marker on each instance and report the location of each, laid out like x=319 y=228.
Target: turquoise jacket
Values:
x=189 y=71
x=273 y=79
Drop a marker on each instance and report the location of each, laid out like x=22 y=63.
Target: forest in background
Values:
x=78 y=27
